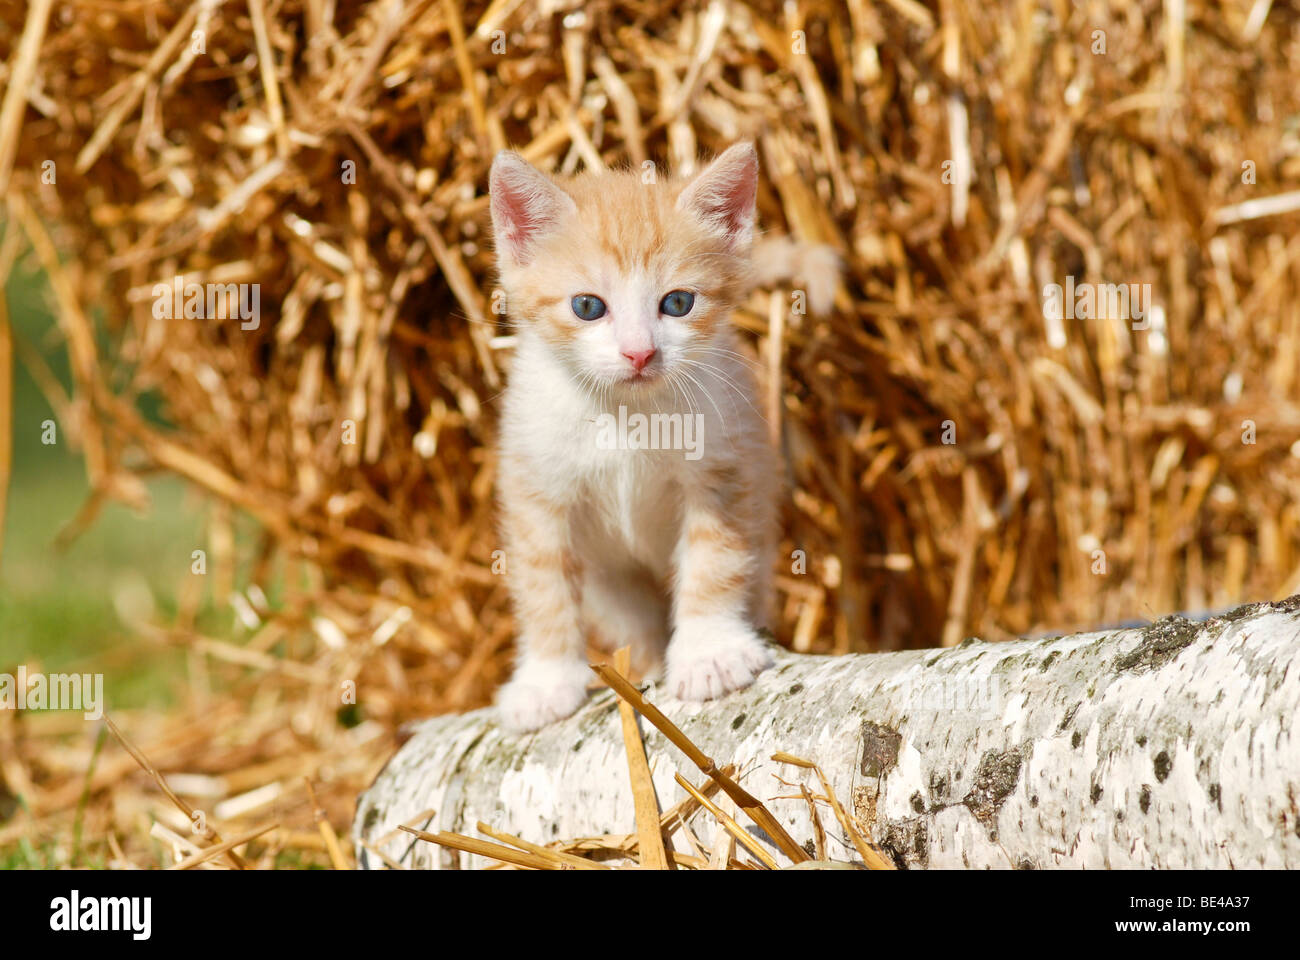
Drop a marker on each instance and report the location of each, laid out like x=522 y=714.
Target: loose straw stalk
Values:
x=651 y=845
x=752 y=807
x=484 y=849
x=208 y=832
x=872 y=857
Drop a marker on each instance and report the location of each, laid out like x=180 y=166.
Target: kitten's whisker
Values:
x=716 y=371
x=677 y=382
x=708 y=395
x=714 y=348
x=722 y=375
x=751 y=364
x=677 y=393
x=727 y=381
x=727 y=434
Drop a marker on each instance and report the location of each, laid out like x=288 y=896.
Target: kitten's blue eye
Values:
x=677 y=304
x=587 y=307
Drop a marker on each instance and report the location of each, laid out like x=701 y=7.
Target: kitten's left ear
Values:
x=723 y=194
x=526 y=205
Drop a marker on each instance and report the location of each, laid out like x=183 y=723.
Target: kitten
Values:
x=622 y=293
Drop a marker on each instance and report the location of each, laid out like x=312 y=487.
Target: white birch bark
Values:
x=1174 y=745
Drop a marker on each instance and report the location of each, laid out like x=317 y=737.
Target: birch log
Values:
x=1173 y=745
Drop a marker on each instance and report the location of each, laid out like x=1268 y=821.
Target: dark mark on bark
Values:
x=1069 y=716
x=1290 y=605
x=938 y=787
x=907 y=842
x=917 y=801
x=1161 y=642
x=1076 y=738
x=1144 y=798
x=735 y=724
x=1163 y=765
x=879 y=749
x=995 y=778
x=1249 y=610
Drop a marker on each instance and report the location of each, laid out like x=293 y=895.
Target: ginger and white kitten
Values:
x=622 y=292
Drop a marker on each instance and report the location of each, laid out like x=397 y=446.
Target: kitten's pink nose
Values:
x=639 y=358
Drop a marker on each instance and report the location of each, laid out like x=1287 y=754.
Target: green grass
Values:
x=57 y=605
x=23 y=856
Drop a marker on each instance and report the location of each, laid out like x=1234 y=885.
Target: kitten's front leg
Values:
x=714 y=647
x=551 y=672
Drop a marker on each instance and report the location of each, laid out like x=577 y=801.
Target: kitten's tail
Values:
x=814 y=266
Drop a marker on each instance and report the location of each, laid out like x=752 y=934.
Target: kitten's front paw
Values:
x=541 y=692
x=709 y=657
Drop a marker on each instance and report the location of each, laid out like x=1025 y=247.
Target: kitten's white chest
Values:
x=639 y=497
x=621 y=502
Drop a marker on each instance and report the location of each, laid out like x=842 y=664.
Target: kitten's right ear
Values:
x=526 y=205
